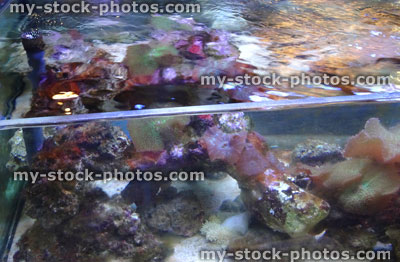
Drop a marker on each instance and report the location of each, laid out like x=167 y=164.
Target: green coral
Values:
x=167 y=24
x=138 y=60
x=145 y=59
x=153 y=134
x=162 y=50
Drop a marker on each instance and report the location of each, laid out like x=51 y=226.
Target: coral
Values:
x=110 y=188
x=336 y=176
x=145 y=136
x=142 y=65
x=201 y=123
x=51 y=203
x=182 y=215
x=368 y=183
x=246 y=151
x=233 y=122
x=155 y=133
x=263 y=179
x=146 y=160
x=375 y=192
x=254 y=157
x=85 y=76
x=78 y=87
x=18 y=152
x=98 y=226
x=172 y=23
x=194 y=48
x=188 y=250
x=360 y=186
x=282 y=205
x=178 y=53
x=375 y=142
x=315 y=152
x=215 y=232
x=223 y=146
x=94 y=146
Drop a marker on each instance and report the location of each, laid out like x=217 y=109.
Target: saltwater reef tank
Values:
x=233 y=130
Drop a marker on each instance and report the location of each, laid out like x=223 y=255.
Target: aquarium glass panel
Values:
x=197 y=187
x=10 y=189
x=102 y=57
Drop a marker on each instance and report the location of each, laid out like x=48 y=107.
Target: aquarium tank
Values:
x=190 y=131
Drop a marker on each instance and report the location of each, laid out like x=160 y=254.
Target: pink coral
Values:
x=375 y=142
x=254 y=158
x=224 y=146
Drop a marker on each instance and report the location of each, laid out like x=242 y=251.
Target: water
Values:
x=345 y=38
x=226 y=208
x=314 y=167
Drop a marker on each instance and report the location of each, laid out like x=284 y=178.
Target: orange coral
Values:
x=360 y=186
x=375 y=142
x=369 y=181
x=340 y=175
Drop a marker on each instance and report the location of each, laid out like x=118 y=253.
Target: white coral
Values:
x=215 y=232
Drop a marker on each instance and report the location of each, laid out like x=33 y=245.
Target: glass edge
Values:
x=196 y=110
